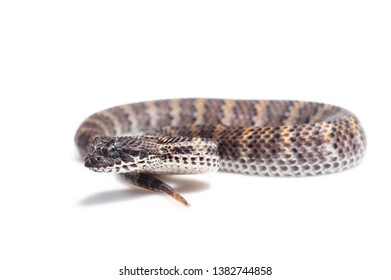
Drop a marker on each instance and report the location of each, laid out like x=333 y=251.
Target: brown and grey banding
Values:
x=263 y=137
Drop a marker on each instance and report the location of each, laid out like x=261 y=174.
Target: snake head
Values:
x=118 y=154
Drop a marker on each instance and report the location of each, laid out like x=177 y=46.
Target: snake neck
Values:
x=186 y=155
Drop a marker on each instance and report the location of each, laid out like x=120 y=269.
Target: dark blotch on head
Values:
x=127 y=158
x=143 y=154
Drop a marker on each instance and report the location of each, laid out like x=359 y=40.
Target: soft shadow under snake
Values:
x=180 y=183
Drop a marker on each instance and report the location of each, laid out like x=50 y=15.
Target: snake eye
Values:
x=112 y=150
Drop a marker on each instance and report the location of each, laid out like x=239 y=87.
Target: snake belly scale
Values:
x=188 y=136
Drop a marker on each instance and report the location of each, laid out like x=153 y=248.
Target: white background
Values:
x=61 y=61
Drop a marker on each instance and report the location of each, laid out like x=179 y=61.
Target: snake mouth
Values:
x=103 y=165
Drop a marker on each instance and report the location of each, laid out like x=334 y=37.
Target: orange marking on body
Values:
x=227 y=109
x=200 y=104
x=286 y=135
x=260 y=117
x=356 y=131
x=320 y=113
x=151 y=107
x=163 y=138
x=326 y=131
x=175 y=103
x=217 y=131
x=353 y=124
x=293 y=113
x=246 y=133
x=194 y=130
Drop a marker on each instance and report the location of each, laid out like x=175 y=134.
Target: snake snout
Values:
x=94 y=161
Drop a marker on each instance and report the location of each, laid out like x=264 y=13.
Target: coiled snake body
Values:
x=184 y=136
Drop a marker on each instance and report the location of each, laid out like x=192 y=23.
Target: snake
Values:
x=198 y=135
